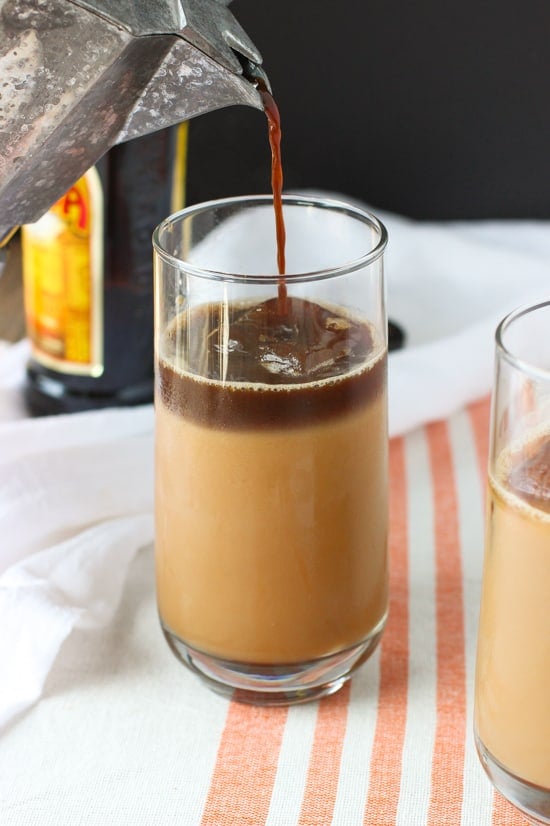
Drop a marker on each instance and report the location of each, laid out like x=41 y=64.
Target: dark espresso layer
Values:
x=250 y=367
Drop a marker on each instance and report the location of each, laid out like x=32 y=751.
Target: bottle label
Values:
x=63 y=281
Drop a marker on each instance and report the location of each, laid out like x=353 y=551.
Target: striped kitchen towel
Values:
x=125 y=735
x=396 y=745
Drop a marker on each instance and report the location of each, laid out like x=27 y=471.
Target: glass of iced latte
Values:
x=512 y=703
x=271 y=445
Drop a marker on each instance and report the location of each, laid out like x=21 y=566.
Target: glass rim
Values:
x=342 y=207
x=504 y=352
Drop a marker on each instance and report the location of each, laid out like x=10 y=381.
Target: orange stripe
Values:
x=389 y=736
x=479 y=416
x=326 y=754
x=504 y=814
x=244 y=774
x=449 y=747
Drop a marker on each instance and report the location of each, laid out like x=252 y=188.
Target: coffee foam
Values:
x=174 y=362
x=355 y=351
x=368 y=365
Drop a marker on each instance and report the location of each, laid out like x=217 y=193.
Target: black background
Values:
x=430 y=108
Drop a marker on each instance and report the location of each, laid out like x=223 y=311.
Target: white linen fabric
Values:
x=76 y=503
x=449 y=285
x=124 y=734
x=76 y=492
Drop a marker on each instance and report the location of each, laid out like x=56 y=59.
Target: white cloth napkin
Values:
x=76 y=497
x=76 y=491
x=449 y=285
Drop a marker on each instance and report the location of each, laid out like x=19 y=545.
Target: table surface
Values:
x=125 y=735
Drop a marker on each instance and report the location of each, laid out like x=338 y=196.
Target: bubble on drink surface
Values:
x=275 y=363
x=337 y=323
x=229 y=346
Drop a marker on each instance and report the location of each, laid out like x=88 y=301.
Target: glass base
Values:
x=532 y=801
x=275 y=685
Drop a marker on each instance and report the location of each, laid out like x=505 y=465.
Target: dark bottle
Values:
x=88 y=280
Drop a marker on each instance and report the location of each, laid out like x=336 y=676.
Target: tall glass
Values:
x=271 y=445
x=512 y=703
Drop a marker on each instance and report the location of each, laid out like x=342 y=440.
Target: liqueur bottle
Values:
x=88 y=280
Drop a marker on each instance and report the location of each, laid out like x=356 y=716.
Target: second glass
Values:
x=512 y=710
x=271 y=445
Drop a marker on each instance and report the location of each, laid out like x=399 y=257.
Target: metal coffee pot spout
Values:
x=79 y=76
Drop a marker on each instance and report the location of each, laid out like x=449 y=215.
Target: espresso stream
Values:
x=275 y=133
